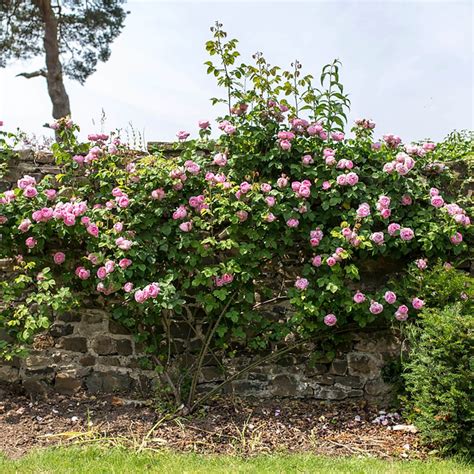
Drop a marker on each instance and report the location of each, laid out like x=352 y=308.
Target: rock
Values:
x=360 y=363
x=377 y=387
x=116 y=328
x=8 y=374
x=108 y=382
x=104 y=345
x=124 y=346
x=70 y=317
x=406 y=428
x=75 y=344
x=66 y=384
x=284 y=386
x=338 y=367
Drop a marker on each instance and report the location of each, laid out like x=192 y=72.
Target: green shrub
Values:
x=439 y=378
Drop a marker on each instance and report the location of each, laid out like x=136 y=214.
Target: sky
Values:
x=408 y=65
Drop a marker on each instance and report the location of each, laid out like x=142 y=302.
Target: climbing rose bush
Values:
x=269 y=202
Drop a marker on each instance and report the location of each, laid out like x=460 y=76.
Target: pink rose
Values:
x=270 y=217
x=341 y=180
x=26 y=181
x=186 y=226
x=285 y=145
x=128 y=287
x=301 y=283
x=352 y=179
x=282 y=182
x=109 y=266
x=421 y=263
x=117 y=192
x=220 y=159
x=401 y=316
x=359 y=297
x=385 y=213
x=242 y=215
x=390 y=297
x=203 y=124
x=307 y=160
x=417 y=303
x=270 y=200
x=152 y=290
x=93 y=230
x=406 y=233
x=101 y=272
x=330 y=319
x=140 y=296
x=59 y=258
x=123 y=244
x=125 y=263
x=331 y=261
x=292 y=223
x=375 y=308
x=456 y=239
x=406 y=200
x=363 y=210
x=82 y=273
x=25 y=224
x=316 y=261
x=123 y=201
x=182 y=135
x=180 y=213
x=377 y=238
x=50 y=194
x=326 y=185
x=30 y=192
x=393 y=228
x=158 y=194
x=437 y=201
x=31 y=242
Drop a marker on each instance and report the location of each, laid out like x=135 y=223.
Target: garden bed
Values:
x=230 y=426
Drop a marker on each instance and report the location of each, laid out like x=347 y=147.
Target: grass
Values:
x=114 y=461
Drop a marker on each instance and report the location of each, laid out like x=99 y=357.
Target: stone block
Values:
x=330 y=393
x=104 y=345
x=116 y=328
x=92 y=317
x=338 y=367
x=377 y=387
x=284 y=386
x=75 y=344
x=60 y=330
x=87 y=361
x=67 y=384
x=324 y=379
x=349 y=381
x=211 y=374
x=364 y=364
x=70 y=317
x=124 y=347
x=108 y=382
x=8 y=374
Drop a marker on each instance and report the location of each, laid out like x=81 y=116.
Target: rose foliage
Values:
x=275 y=204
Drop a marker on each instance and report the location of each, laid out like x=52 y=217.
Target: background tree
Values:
x=73 y=36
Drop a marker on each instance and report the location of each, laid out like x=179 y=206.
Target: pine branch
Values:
x=30 y=75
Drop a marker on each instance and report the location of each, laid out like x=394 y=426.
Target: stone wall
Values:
x=86 y=350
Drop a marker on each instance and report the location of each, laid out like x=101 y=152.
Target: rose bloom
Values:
x=123 y=244
x=330 y=319
x=406 y=233
x=82 y=273
x=377 y=238
x=375 y=308
x=401 y=316
x=393 y=228
x=220 y=159
x=245 y=187
x=93 y=230
x=421 y=263
x=341 y=180
x=385 y=213
x=125 y=263
x=292 y=222
x=117 y=192
x=359 y=297
x=25 y=224
x=326 y=185
x=285 y=145
x=316 y=261
x=182 y=135
x=101 y=272
x=203 y=124
x=282 y=182
x=270 y=200
x=140 y=296
x=158 y=194
x=242 y=215
x=352 y=179
x=50 y=193
x=437 y=201
x=363 y=210
x=270 y=217
x=417 y=303
x=456 y=239
x=301 y=283
x=186 y=226
x=180 y=213
x=59 y=258
x=26 y=181
x=389 y=167
x=30 y=242
x=109 y=266
x=123 y=201
x=152 y=290
x=331 y=261
x=307 y=160
x=403 y=309
x=30 y=192
x=406 y=200
x=390 y=297
x=128 y=287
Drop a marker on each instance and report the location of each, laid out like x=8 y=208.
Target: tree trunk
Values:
x=54 y=75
